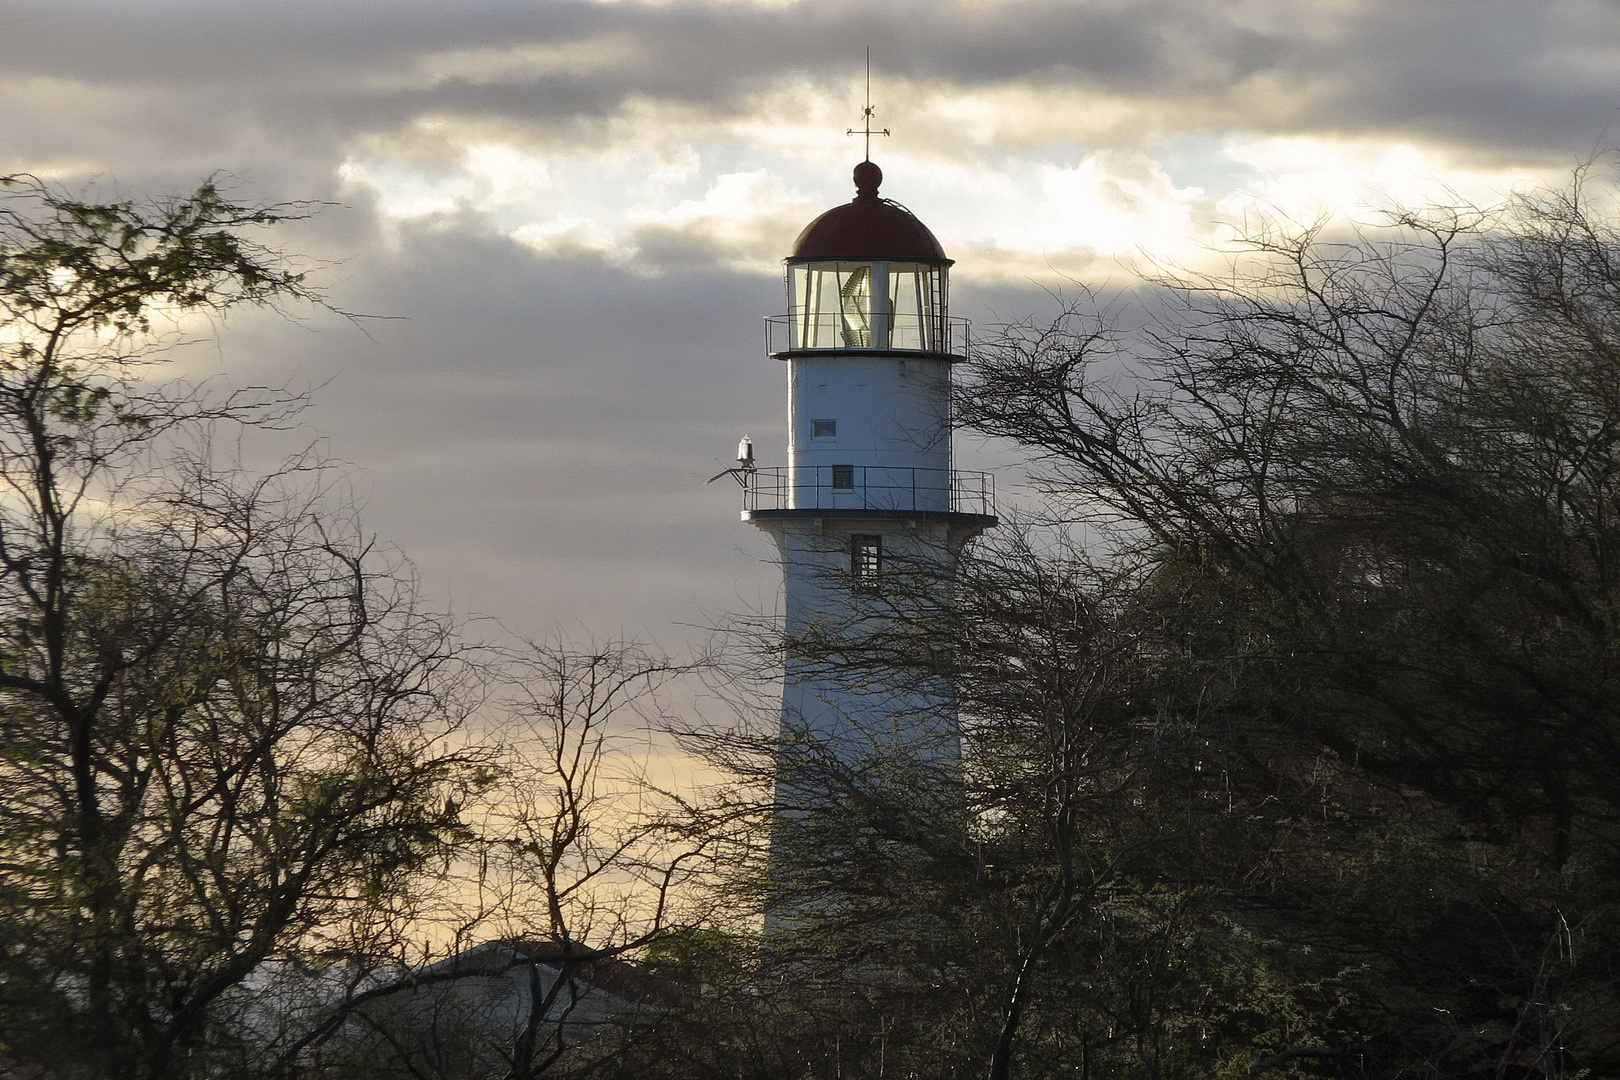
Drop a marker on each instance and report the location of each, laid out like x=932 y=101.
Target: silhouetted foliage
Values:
x=226 y=722
x=1367 y=491
x=1306 y=764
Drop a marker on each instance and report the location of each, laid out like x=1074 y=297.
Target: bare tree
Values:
x=1367 y=481
x=590 y=853
x=579 y=861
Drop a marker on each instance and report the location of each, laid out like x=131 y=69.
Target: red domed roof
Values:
x=868 y=227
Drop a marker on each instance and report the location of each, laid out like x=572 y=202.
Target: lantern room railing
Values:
x=834 y=332
x=869 y=487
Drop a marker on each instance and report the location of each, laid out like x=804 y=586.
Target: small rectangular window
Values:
x=843 y=477
x=865 y=559
x=823 y=429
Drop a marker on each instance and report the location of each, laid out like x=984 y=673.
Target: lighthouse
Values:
x=868 y=515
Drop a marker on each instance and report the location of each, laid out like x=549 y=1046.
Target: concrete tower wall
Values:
x=845 y=701
x=889 y=410
x=869 y=521
x=888 y=417
x=855 y=725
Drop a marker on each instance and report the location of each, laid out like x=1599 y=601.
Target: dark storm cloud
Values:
x=1501 y=74
x=537 y=430
x=535 y=433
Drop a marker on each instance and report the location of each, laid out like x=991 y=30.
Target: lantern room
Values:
x=865 y=276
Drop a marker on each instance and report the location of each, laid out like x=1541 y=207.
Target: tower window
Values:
x=865 y=559
x=843 y=477
x=823 y=429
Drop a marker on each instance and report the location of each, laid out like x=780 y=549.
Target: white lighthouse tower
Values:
x=868 y=497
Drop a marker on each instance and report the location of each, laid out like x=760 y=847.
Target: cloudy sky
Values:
x=574 y=212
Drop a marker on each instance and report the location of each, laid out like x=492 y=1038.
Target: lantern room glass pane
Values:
x=867 y=305
x=914 y=320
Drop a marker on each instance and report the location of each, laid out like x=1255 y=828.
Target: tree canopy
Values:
x=1304 y=762
x=226 y=719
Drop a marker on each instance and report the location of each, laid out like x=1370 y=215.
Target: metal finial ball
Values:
x=867 y=178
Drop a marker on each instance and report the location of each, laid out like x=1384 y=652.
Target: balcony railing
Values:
x=833 y=332
x=870 y=487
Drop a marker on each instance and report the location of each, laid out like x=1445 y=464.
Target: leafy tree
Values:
x=226 y=721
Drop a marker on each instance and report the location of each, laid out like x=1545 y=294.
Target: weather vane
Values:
x=868 y=112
